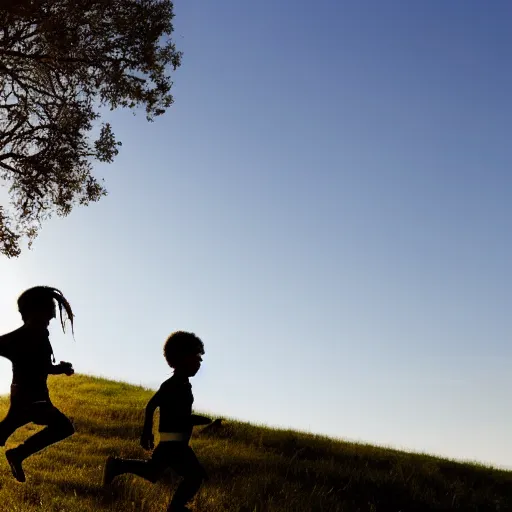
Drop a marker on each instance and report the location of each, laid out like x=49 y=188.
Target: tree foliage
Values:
x=61 y=61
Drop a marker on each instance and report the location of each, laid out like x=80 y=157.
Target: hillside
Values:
x=251 y=468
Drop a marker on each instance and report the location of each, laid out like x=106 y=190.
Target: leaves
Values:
x=60 y=62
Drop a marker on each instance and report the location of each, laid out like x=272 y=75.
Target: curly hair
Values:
x=38 y=296
x=181 y=343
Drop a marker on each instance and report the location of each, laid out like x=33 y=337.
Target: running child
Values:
x=182 y=351
x=30 y=351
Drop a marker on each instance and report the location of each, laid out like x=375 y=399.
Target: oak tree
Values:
x=61 y=62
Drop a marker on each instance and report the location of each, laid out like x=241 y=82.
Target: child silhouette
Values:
x=31 y=354
x=182 y=351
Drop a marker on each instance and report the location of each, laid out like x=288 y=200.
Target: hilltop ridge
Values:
x=251 y=468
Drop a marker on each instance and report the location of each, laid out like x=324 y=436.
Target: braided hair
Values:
x=35 y=297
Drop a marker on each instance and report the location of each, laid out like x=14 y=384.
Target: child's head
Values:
x=183 y=351
x=37 y=306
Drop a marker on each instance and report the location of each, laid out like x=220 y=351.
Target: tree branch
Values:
x=8 y=167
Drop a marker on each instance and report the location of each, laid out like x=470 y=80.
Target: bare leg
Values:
x=146 y=469
x=183 y=461
x=14 y=419
x=58 y=427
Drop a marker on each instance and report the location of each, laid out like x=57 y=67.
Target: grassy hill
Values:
x=251 y=468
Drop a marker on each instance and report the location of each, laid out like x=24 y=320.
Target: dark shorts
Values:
x=41 y=412
x=24 y=396
x=179 y=457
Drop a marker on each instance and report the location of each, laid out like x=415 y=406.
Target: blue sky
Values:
x=327 y=205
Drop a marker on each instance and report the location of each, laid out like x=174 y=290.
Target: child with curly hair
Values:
x=183 y=352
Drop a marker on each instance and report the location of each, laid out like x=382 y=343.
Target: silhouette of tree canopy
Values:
x=61 y=61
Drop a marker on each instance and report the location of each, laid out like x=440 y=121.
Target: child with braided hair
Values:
x=31 y=354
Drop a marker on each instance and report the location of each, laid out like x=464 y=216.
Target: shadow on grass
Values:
x=107 y=497
x=362 y=489
x=120 y=490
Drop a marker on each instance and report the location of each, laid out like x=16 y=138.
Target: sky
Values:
x=327 y=205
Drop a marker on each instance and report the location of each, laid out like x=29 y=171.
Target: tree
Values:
x=61 y=61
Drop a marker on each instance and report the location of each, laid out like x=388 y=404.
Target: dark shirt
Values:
x=30 y=352
x=175 y=401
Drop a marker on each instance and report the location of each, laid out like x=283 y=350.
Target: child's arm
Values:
x=62 y=368
x=200 y=420
x=3 y=347
x=147 y=440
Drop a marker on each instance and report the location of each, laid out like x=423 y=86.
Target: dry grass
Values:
x=251 y=468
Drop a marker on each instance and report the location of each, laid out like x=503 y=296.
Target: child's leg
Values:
x=58 y=427
x=183 y=460
x=143 y=468
x=151 y=469
x=14 y=419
